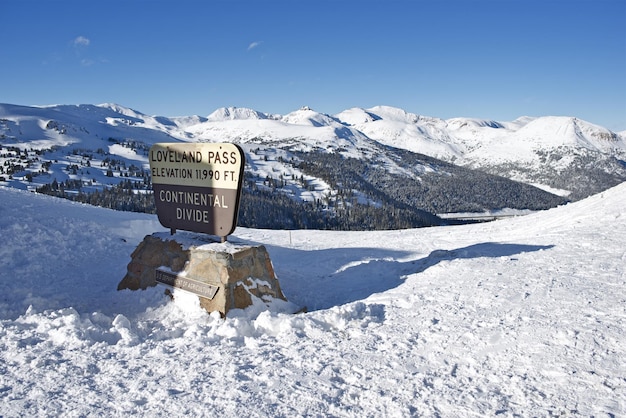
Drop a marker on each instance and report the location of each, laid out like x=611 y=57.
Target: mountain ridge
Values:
x=436 y=161
x=503 y=148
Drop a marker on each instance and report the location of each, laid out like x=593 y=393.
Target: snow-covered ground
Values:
x=524 y=316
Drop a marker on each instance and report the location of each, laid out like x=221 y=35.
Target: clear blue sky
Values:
x=497 y=59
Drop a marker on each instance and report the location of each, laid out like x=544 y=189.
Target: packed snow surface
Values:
x=524 y=316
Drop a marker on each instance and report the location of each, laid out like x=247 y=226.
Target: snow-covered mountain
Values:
x=561 y=152
x=564 y=155
x=397 y=128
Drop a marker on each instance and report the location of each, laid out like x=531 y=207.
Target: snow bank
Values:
x=524 y=316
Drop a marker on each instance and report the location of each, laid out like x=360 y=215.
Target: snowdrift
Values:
x=524 y=316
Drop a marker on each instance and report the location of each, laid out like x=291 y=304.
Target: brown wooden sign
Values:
x=197 y=186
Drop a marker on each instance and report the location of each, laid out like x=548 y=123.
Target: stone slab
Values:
x=238 y=272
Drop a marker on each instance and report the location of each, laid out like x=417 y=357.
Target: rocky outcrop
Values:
x=240 y=273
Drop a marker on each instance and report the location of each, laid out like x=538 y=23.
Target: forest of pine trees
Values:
x=365 y=195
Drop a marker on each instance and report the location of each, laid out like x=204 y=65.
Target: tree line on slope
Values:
x=259 y=208
x=426 y=184
x=589 y=172
x=366 y=195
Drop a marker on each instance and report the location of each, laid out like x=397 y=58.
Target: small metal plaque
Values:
x=174 y=280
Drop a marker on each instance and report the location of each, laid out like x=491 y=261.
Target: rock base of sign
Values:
x=242 y=274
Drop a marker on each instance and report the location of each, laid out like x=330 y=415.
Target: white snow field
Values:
x=524 y=316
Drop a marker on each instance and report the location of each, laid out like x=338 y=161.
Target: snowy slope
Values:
x=523 y=140
x=304 y=128
x=519 y=317
x=82 y=125
x=556 y=153
x=473 y=140
x=445 y=139
x=398 y=128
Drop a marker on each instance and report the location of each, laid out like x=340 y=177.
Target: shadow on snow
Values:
x=325 y=278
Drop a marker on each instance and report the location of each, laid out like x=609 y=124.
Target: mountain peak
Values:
x=356 y=116
x=235 y=113
x=567 y=130
x=123 y=110
x=472 y=123
x=395 y=114
x=307 y=116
